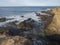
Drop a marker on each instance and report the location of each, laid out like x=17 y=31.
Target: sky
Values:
x=29 y=2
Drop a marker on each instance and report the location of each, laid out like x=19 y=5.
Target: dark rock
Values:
x=22 y=16
x=4 y=30
x=26 y=25
x=46 y=19
x=48 y=12
x=2 y=19
x=11 y=24
x=53 y=39
x=9 y=31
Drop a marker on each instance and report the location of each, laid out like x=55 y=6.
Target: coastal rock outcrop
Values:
x=11 y=24
x=2 y=19
x=26 y=24
x=54 y=27
x=46 y=18
x=30 y=32
x=52 y=32
x=48 y=12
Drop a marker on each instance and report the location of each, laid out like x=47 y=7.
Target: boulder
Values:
x=11 y=24
x=26 y=24
x=15 y=40
x=8 y=31
x=22 y=16
x=2 y=19
x=2 y=35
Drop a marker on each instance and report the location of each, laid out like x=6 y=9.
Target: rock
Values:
x=2 y=36
x=48 y=12
x=11 y=24
x=26 y=25
x=2 y=19
x=53 y=39
x=4 y=30
x=37 y=14
x=54 y=27
x=15 y=40
x=46 y=19
x=8 y=31
x=52 y=31
x=22 y=16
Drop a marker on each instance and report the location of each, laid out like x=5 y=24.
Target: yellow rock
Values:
x=15 y=40
x=54 y=27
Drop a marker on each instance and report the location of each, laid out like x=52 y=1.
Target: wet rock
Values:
x=48 y=12
x=37 y=14
x=26 y=25
x=43 y=17
x=15 y=40
x=8 y=31
x=11 y=24
x=46 y=19
x=2 y=19
x=22 y=16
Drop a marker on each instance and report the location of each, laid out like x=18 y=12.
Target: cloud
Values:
x=29 y=2
x=11 y=1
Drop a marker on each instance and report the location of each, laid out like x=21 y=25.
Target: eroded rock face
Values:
x=2 y=19
x=54 y=27
x=26 y=25
x=46 y=18
x=16 y=40
x=52 y=31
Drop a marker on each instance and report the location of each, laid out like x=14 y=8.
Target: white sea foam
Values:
x=19 y=18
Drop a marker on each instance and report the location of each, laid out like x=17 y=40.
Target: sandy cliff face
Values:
x=54 y=27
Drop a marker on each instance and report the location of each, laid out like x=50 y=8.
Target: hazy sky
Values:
x=29 y=2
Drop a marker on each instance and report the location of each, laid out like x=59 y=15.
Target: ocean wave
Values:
x=19 y=18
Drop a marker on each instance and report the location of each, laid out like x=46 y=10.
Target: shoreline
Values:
x=30 y=29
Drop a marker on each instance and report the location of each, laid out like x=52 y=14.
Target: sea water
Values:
x=22 y=10
x=17 y=12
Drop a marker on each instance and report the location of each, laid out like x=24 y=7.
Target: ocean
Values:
x=22 y=10
x=17 y=12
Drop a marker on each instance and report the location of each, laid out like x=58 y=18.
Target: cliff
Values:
x=54 y=27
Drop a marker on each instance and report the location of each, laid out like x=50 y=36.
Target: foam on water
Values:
x=19 y=18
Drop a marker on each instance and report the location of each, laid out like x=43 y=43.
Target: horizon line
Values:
x=23 y=6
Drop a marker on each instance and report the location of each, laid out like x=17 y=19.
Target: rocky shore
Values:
x=45 y=31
